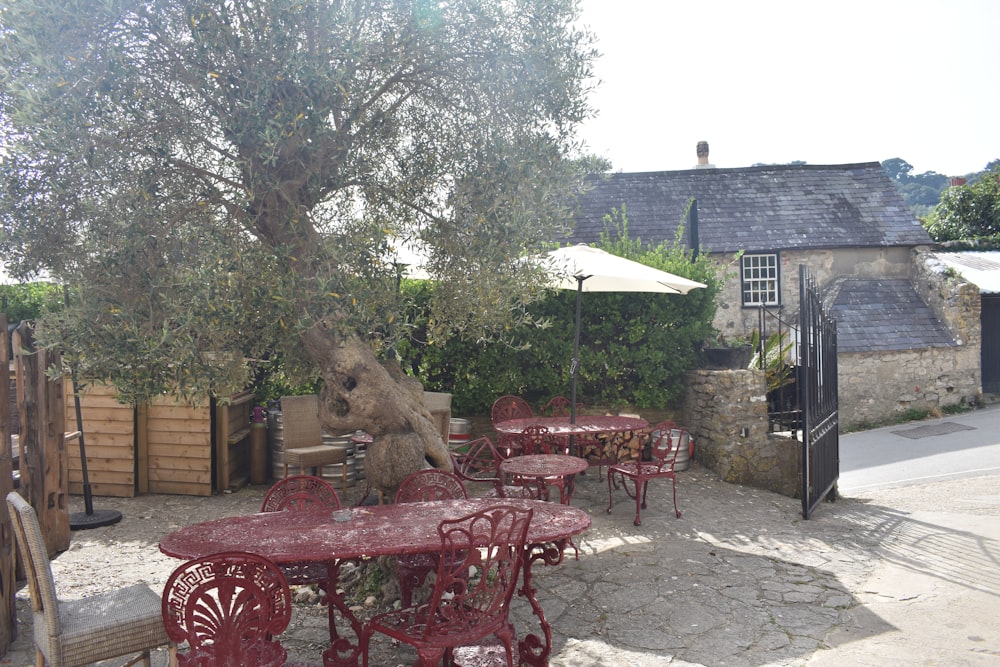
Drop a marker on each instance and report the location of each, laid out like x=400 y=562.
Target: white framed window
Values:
x=760 y=280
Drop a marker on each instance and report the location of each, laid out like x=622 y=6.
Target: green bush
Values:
x=30 y=300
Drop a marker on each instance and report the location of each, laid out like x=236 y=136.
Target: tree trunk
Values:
x=361 y=393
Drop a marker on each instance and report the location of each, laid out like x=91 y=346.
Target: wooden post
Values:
x=8 y=585
x=44 y=460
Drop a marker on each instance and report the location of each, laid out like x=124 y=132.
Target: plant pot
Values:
x=724 y=358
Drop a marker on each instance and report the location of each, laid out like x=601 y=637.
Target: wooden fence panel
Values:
x=178 y=447
x=109 y=441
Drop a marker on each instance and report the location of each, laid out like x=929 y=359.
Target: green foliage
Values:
x=29 y=301
x=773 y=358
x=968 y=212
x=634 y=347
x=215 y=179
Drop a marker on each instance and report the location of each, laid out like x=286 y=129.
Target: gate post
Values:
x=8 y=551
x=45 y=463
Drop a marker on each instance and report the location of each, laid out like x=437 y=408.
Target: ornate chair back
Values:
x=510 y=407
x=478 y=462
x=536 y=439
x=300 y=492
x=559 y=406
x=430 y=484
x=228 y=606
x=665 y=440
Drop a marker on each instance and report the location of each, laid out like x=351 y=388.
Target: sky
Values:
x=769 y=81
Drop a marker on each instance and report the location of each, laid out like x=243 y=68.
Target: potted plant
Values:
x=728 y=354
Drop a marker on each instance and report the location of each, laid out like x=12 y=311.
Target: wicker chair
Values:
x=303 y=438
x=418 y=487
x=463 y=610
x=80 y=632
x=228 y=607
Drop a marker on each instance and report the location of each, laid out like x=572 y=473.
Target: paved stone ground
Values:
x=906 y=576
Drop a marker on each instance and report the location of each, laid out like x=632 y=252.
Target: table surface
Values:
x=376 y=530
x=585 y=424
x=543 y=465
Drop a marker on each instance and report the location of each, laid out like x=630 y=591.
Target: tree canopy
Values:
x=221 y=180
x=968 y=212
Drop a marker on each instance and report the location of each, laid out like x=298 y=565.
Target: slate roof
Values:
x=768 y=208
x=883 y=315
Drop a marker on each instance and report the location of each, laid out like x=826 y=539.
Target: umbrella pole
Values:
x=575 y=366
x=89 y=518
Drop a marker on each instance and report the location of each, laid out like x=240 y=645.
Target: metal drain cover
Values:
x=933 y=429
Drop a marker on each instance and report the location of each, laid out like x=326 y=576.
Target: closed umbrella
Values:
x=588 y=269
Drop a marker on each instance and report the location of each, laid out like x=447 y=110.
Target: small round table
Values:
x=548 y=469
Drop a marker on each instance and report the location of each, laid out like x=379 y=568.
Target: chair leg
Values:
x=677 y=512
x=640 y=500
x=610 y=497
x=39 y=659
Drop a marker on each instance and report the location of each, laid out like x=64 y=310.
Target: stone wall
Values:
x=726 y=414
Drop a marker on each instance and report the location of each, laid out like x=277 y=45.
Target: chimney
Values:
x=703 y=156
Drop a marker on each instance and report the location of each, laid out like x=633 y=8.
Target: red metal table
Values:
x=547 y=466
x=377 y=530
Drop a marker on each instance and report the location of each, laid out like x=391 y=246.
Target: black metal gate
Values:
x=818 y=397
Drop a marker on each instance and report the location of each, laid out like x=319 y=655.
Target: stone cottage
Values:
x=908 y=331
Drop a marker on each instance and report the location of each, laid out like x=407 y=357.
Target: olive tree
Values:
x=224 y=182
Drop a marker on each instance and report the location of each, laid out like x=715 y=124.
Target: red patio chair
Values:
x=505 y=408
x=418 y=487
x=665 y=437
x=559 y=406
x=227 y=607
x=302 y=493
x=463 y=610
x=479 y=462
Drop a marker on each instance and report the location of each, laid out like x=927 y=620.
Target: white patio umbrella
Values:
x=588 y=269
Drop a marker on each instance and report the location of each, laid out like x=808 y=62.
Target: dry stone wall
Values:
x=726 y=413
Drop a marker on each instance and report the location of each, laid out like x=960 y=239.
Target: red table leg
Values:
x=342 y=652
x=535 y=650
